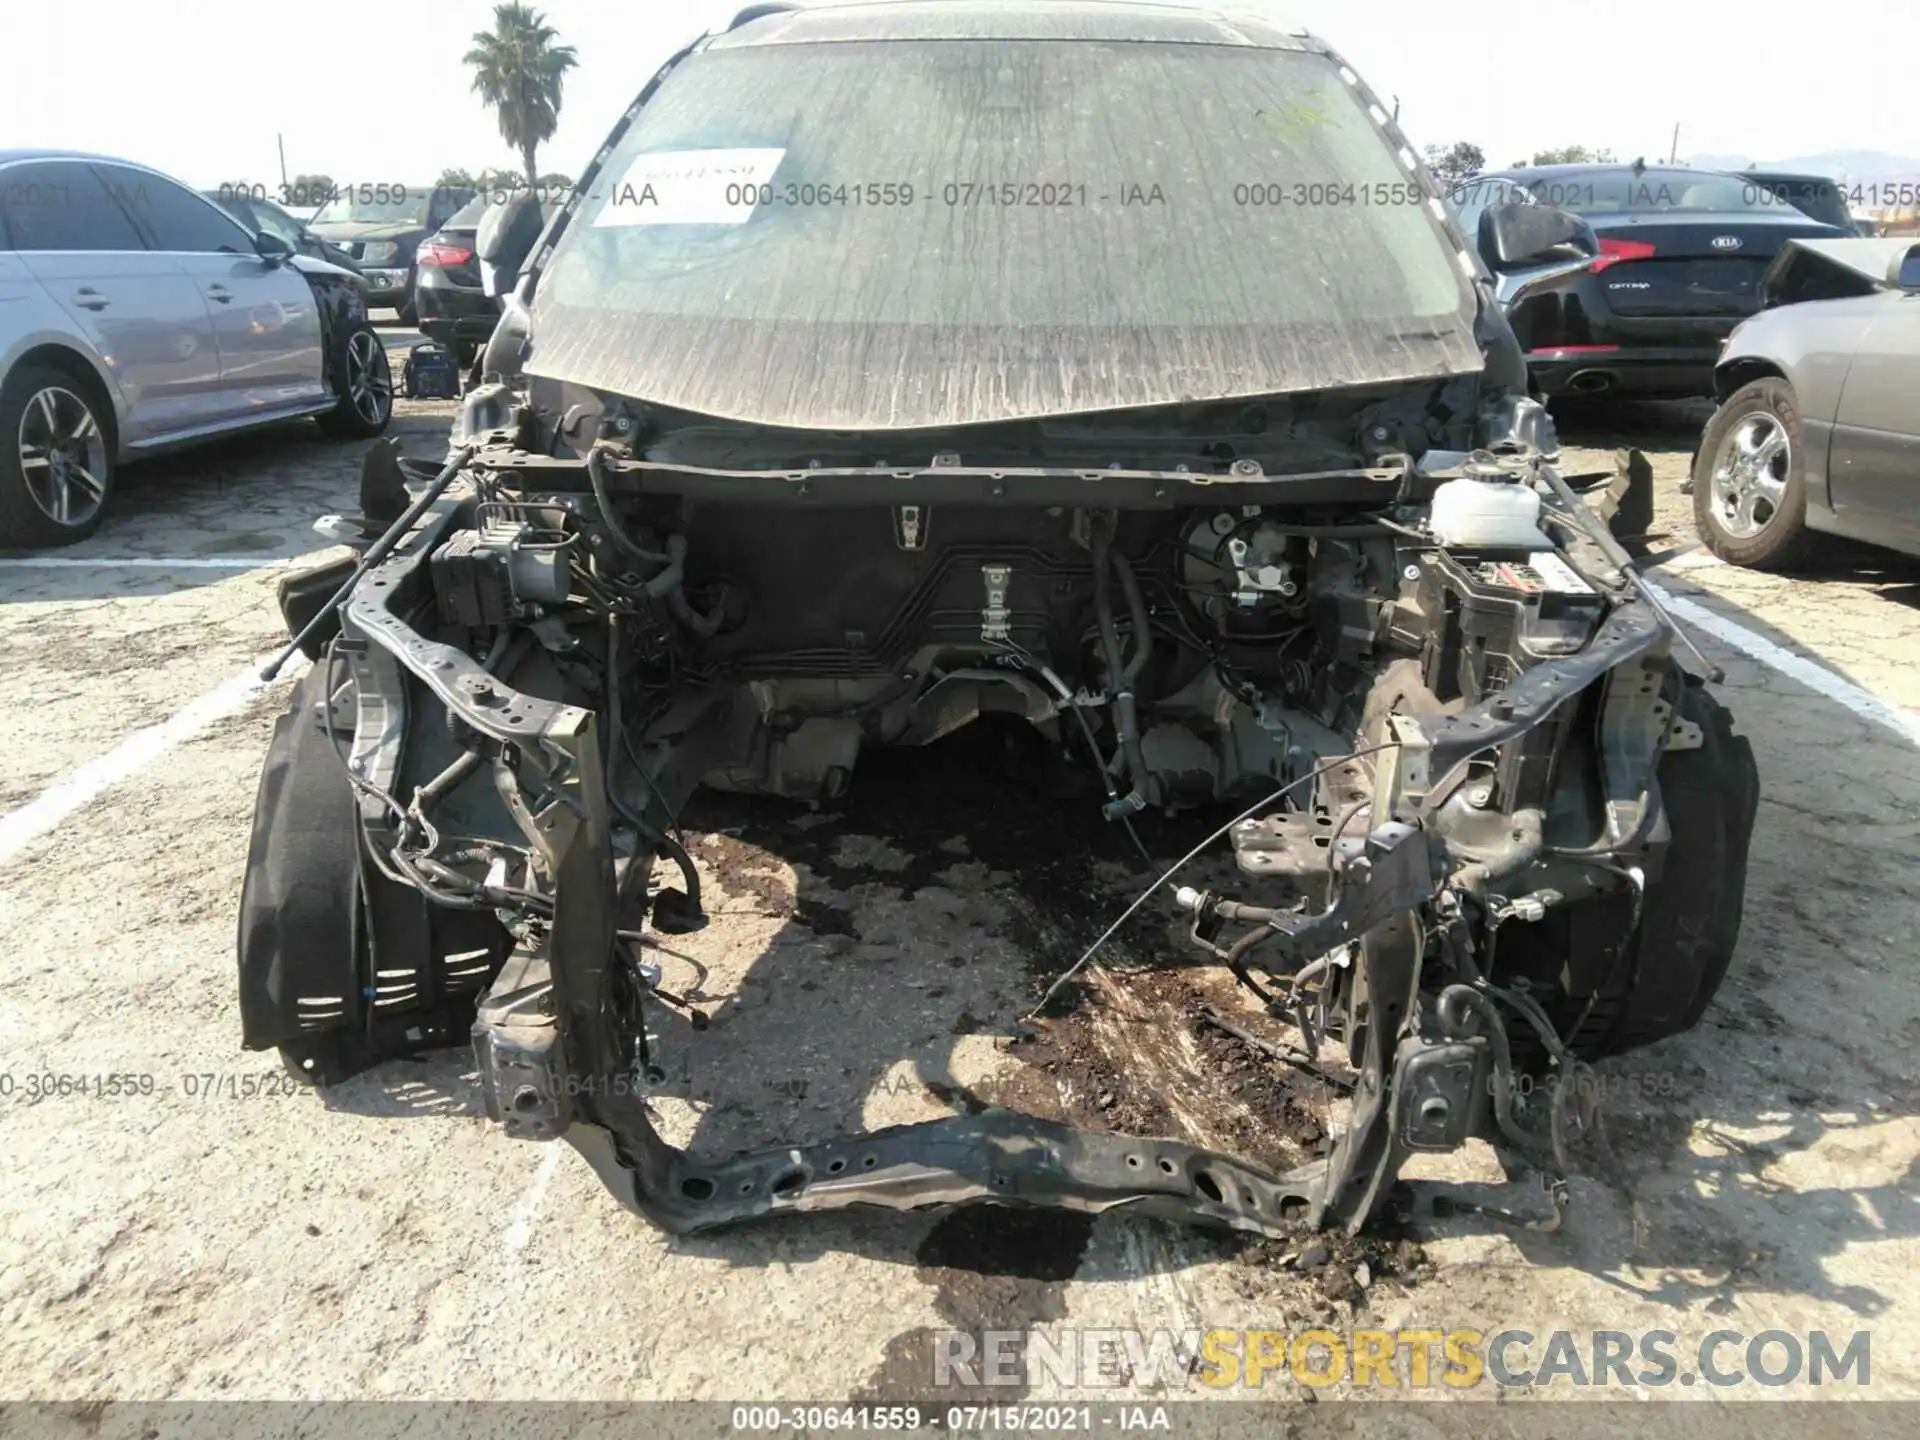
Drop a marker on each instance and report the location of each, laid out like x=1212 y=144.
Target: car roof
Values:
x=37 y=154
x=1592 y=167
x=8 y=157
x=1123 y=20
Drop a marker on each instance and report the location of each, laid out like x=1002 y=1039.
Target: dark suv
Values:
x=381 y=227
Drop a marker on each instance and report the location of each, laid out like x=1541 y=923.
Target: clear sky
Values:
x=367 y=91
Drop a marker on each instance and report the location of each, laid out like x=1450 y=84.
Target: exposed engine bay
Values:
x=1485 y=823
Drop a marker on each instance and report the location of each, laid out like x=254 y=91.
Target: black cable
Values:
x=1171 y=870
x=596 y=477
x=1093 y=753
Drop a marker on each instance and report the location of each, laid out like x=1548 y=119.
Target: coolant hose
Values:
x=676 y=560
x=597 y=477
x=1126 y=723
x=1137 y=608
x=683 y=611
x=1453 y=1000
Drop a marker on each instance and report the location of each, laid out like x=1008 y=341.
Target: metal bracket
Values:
x=1376 y=876
x=1256 y=582
x=910 y=526
x=995 y=615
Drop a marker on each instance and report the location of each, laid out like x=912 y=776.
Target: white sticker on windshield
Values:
x=690 y=187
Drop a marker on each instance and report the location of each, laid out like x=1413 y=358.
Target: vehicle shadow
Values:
x=1651 y=424
x=1882 y=574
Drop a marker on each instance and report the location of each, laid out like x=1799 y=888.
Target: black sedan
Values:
x=450 y=297
x=382 y=226
x=1681 y=256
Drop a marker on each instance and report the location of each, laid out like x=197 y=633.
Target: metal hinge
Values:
x=910 y=526
x=994 y=617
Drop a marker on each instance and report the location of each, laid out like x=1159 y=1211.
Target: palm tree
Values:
x=517 y=69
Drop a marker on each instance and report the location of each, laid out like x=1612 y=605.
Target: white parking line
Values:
x=520 y=1228
x=1814 y=676
x=76 y=562
x=79 y=788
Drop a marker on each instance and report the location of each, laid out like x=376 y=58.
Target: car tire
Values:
x=47 y=503
x=1619 y=987
x=1749 y=479
x=363 y=385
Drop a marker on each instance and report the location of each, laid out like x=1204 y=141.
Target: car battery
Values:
x=1500 y=613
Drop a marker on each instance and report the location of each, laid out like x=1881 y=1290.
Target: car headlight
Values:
x=379 y=252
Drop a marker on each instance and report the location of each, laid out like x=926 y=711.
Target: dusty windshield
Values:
x=924 y=233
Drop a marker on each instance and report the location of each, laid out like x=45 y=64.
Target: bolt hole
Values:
x=1167 y=1167
x=790 y=1183
x=1208 y=1186
x=867 y=1162
x=834 y=1167
x=1133 y=1162
x=697 y=1187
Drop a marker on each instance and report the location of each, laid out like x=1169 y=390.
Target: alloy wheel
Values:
x=1750 y=475
x=369 y=377
x=63 y=456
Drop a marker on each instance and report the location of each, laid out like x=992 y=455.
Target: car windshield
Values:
x=379 y=204
x=1064 y=226
x=467 y=217
x=1813 y=195
x=1656 y=192
x=277 y=222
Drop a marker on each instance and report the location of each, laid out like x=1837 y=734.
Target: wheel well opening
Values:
x=80 y=369
x=1744 y=372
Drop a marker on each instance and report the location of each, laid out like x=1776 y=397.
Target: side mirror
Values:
x=271 y=248
x=508 y=231
x=1515 y=236
x=1903 y=271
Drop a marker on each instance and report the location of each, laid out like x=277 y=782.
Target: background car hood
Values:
x=367 y=229
x=310 y=265
x=1868 y=258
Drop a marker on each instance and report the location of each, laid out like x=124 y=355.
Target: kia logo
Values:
x=1727 y=242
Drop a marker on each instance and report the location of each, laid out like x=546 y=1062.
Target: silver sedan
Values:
x=1818 y=429
x=138 y=316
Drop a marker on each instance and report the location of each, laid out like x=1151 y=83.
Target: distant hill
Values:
x=1860 y=166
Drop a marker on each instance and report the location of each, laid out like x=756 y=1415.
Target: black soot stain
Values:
x=992 y=1268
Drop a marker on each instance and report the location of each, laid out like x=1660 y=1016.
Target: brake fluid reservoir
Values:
x=1474 y=514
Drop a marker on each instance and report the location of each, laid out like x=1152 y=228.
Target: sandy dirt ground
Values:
x=203 y=1231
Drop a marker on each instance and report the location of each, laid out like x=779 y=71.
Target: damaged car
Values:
x=1817 y=432
x=1146 y=390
